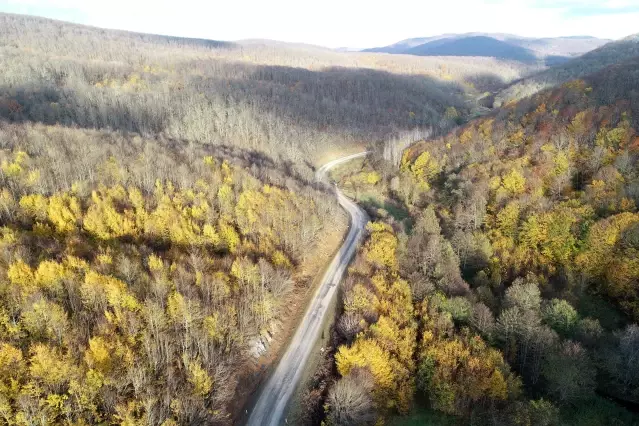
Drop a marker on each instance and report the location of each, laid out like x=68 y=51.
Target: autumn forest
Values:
x=162 y=230
x=499 y=281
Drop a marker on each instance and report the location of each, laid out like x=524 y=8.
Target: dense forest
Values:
x=586 y=64
x=159 y=217
x=136 y=275
x=286 y=101
x=499 y=283
x=153 y=225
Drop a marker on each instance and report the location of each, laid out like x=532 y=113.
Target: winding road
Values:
x=272 y=402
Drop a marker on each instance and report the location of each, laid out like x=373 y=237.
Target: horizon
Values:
x=354 y=27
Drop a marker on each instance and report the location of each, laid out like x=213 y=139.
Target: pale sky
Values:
x=343 y=23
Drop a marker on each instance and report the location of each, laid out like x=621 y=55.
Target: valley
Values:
x=443 y=230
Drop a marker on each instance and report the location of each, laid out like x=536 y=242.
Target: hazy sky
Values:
x=336 y=23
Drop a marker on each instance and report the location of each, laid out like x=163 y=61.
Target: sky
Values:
x=343 y=23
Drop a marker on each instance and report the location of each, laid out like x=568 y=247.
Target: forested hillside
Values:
x=500 y=284
x=135 y=275
x=160 y=220
x=287 y=101
x=147 y=242
x=612 y=53
x=475 y=46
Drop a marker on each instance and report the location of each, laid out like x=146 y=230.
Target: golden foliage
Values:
x=514 y=182
x=380 y=248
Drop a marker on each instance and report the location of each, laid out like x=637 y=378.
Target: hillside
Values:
x=160 y=220
x=500 y=279
x=162 y=228
x=137 y=274
x=155 y=235
x=506 y=46
x=589 y=63
x=287 y=101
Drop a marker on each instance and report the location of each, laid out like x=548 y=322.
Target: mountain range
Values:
x=550 y=51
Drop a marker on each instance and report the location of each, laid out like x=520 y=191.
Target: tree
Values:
x=366 y=353
x=48 y=367
x=198 y=378
x=589 y=331
x=561 y=316
x=64 y=212
x=620 y=364
x=425 y=167
x=534 y=413
x=456 y=374
x=508 y=219
x=514 y=182
x=46 y=320
x=483 y=320
x=349 y=401
x=609 y=262
x=381 y=247
x=523 y=293
x=349 y=325
x=569 y=373
x=230 y=236
x=102 y=218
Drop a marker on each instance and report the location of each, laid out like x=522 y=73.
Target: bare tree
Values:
x=350 y=402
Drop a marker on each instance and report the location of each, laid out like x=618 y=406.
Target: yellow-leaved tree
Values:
x=380 y=248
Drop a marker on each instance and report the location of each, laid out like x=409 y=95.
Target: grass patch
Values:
x=344 y=170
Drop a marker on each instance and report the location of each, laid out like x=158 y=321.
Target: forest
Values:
x=498 y=283
x=589 y=63
x=286 y=101
x=136 y=275
x=160 y=218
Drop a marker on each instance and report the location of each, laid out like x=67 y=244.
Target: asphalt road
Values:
x=271 y=404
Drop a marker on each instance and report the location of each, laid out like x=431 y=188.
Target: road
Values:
x=272 y=402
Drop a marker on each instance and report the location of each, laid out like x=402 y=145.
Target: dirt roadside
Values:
x=308 y=278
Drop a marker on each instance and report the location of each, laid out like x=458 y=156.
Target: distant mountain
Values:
x=409 y=43
x=474 y=46
x=505 y=46
x=591 y=62
x=559 y=46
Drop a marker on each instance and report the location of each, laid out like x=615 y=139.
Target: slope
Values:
x=591 y=62
x=287 y=101
x=520 y=254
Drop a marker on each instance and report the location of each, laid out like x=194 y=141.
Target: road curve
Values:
x=271 y=404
